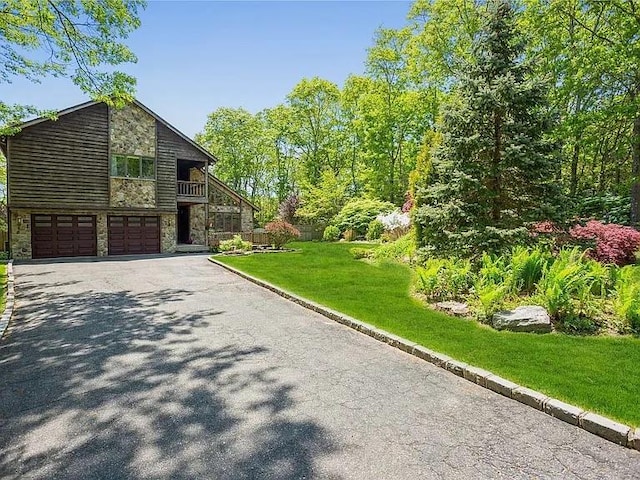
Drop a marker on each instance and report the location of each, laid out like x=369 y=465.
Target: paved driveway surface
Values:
x=173 y=368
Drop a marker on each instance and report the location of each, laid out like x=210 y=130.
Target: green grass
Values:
x=601 y=374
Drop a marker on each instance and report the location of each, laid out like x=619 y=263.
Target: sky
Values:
x=197 y=56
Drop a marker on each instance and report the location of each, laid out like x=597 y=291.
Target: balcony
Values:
x=191 y=192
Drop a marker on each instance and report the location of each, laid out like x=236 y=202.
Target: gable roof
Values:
x=231 y=191
x=91 y=103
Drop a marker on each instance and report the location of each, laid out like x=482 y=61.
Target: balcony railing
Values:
x=190 y=189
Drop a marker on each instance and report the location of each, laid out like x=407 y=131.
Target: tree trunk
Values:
x=573 y=188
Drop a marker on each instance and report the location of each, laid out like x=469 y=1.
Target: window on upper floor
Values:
x=129 y=166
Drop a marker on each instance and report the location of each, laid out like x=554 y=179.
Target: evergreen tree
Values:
x=496 y=168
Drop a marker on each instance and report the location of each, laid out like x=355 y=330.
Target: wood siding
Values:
x=171 y=148
x=62 y=163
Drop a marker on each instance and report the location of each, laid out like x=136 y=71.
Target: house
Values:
x=104 y=181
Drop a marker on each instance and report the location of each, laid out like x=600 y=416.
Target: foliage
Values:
x=236 y=244
x=607 y=207
x=571 y=287
x=614 y=244
x=374 y=230
x=281 y=233
x=331 y=234
x=288 y=208
x=444 y=279
x=490 y=297
x=627 y=296
x=321 y=203
x=494 y=170
x=402 y=249
x=240 y=143
x=526 y=268
x=597 y=373
x=350 y=235
x=360 y=253
x=79 y=39
x=358 y=213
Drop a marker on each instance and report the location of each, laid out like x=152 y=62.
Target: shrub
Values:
x=444 y=279
x=360 y=253
x=357 y=214
x=526 y=268
x=331 y=234
x=491 y=298
x=235 y=244
x=627 y=296
x=375 y=230
x=402 y=250
x=281 y=233
x=349 y=235
x=573 y=288
x=614 y=243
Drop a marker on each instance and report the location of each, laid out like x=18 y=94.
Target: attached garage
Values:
x=63 y=235
x=133 y=235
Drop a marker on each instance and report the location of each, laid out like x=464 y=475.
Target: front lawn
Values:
x=601 y=374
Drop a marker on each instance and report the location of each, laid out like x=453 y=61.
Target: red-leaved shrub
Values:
x=613 y=243
x=281 y=232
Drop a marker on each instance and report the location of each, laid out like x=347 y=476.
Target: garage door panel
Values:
x=63 y=236
x=133 y=235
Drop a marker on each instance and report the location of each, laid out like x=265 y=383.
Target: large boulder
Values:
x=528 y=318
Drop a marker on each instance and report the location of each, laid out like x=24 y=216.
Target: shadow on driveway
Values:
x=117 y=385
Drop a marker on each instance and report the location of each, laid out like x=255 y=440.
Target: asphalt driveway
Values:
x=172 y=368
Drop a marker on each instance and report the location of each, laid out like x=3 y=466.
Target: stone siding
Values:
x=133 y=193
x=132 y=131
x=195 y=175
x=197 y=224
x=169 y=236
x=246 y=218
x=20 y=240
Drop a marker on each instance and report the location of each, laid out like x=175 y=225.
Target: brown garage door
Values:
x=63 y=235
x=132 y=235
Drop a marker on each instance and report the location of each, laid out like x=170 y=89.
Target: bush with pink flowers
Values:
x=614 y=244
x=281 y=232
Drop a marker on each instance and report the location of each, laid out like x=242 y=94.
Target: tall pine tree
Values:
x=495 y=169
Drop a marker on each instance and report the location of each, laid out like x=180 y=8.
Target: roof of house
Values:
x=232 y=191
x=91 y=103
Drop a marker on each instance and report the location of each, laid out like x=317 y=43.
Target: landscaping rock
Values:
x=458 y=309
x=529 y=318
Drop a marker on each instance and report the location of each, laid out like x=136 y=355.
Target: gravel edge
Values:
x=598 y=425
x=8 y=309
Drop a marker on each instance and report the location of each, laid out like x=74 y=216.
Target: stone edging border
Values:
x=8 y=309
x=603 y=427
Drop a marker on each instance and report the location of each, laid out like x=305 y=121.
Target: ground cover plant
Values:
x=596 y=373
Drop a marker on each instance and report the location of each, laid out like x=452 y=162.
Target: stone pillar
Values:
x=197 y=224
x=246 y=218
x=102 y=234
x=169 y=235
x=20 y=240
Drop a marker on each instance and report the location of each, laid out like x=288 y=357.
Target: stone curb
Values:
x=598 y=425
x=8 y=309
